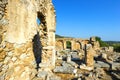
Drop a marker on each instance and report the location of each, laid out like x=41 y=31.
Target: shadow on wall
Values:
x=37 y=49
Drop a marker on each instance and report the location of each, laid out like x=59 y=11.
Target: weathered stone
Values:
x=23 y=42
x=84 y=67
x=53 y=77
x=117 y=76
x=14 y=59
x=2 y=77
x=23 y=56
x=102 y=65
x=104 y=56
x=2 y=55
x=79 y=79
x=74 y=56
x=5 y=67
x=10 y=54
x=42 y=74
x=111 y=49
x=7 y=59
x=73 y=64
x=115 y=66
x=64 y=69
x=68 y=58
x=89 y=56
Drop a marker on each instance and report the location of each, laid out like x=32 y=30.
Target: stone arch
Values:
x=78 y=45
x=59 y=45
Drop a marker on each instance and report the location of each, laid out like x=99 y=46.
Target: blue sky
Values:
x=85 y=18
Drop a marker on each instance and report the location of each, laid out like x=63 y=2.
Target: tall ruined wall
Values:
x=3 y=20
x=46 y=14
x=24 y=45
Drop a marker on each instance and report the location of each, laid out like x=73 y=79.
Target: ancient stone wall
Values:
x=59 y=45
x=24 y=45
x=76 y=44
x=95 y=43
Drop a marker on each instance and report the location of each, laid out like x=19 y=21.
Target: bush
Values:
x=116 y=47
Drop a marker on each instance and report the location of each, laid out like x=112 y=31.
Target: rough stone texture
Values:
x=101 y=64
x=111 y=49
x=89 y=56
x=22 y=19
x=23 y=43
x=65 y=68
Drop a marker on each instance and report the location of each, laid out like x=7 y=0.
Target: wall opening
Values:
x=41 y=18
x=38 y=21
x=37 y=49
x=41 y=21
x=68 y=45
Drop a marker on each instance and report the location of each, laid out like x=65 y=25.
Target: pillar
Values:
x=64 y=42
x=89 y=55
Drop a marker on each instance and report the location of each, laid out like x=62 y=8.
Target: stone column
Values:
x=89 y=55
x=73 y=45
x=68 y=58
x=64 y=42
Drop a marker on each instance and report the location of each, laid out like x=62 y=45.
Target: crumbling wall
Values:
x=24 y=45
x=46 y=14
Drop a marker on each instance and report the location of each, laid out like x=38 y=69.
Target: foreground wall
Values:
x=24 y=45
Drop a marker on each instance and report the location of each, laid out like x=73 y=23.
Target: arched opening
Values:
x=41 y=18
x=38 y=38
x=78 y=45
x=68 y=45
x=42 y=23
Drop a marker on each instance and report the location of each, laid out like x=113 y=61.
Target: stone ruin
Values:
x=86 y=60
x=29 y=51
x=25 y=45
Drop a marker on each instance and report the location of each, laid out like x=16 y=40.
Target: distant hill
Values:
x=59 y=36
x=112 y=42
x=115 y=44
